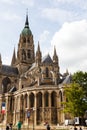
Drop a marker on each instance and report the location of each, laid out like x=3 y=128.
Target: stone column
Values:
x=57 y=101
x=43 y=106
x=6 y=109
x=35 y=111
x=50 y=106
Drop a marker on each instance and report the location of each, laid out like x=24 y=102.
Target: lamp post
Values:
x=28 y=116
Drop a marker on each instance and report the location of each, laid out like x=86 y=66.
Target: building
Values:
x=31 y=88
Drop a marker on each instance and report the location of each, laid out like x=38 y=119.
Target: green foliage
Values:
x=75 y=103
x=80 y=78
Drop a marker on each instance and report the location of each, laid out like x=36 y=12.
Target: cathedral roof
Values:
x=47 y=59
x=26 y=30
x=67 y=79
x=9 y=70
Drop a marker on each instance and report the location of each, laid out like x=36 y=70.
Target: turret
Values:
x=38 y=55
x=0 y=61
x=55 y=57
x=13 y=58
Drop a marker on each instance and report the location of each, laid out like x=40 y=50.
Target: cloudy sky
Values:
x=59 y=23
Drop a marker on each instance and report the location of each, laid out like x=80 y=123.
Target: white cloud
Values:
x=71 y=44
x=44 y=36
x=7 y=1
x=56 y=14
x=6 y=60
x=10 y=16
x=28 y=2
x=79 y=3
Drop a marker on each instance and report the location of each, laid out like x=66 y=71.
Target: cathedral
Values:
x=31 y=88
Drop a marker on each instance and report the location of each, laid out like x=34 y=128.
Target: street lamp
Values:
x=28 y=116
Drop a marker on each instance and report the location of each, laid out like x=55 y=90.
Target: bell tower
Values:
x=25 y=52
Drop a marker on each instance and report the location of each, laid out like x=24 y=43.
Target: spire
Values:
x=0 y=61
x=26 y=30
x=55 y=57
x=26 y=22
x=13 y=58
x=38 y=54
x=55 y=51
x=38 y=49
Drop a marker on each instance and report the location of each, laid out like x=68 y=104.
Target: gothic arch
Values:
x=60 y=97
x=31 y=100
x=39 y=99
x=54 y=107
x=53 y=99
x=24 y=40
x=29 y=54
x=23 y=55
x=46 y=99
x=22 y=101
x=6 y=84
x=47 y=72
x=25 y=99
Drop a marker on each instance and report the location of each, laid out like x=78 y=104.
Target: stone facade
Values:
x=31 y=84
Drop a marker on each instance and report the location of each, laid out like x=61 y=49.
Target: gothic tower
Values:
x=38 y=55
x=25 y=53
x=13 y=59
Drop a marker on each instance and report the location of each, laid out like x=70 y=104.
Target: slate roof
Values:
x=9 y=70
x=47 y=59
x=67 y=79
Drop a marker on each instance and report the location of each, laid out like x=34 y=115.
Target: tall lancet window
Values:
x=47 y=72
x=29 y=54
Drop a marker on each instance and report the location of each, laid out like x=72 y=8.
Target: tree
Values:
x=80 y=78
x=75 y=103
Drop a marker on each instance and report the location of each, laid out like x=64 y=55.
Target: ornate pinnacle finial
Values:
x=54 y=50
x=13 y=58
x=0 y=60
x=38 y=46
x=27 y=23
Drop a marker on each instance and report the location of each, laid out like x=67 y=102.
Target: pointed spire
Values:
x=55 y=51
x=0 y=61
x=13 y=58
x=0 y=58
x=67 y=72
x=38 y=49
x=26 y=22
x=55 y=57
x=38 y=54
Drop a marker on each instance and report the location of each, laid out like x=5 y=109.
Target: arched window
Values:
x=39 y=99
x=46 y=99
x=26 y=101
x=31 y=98
x=6 y=85
x=23 y=55
x=28 y=40
x=47 y=72
x=29 y=53
x=53 y=99
x=24 y=39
